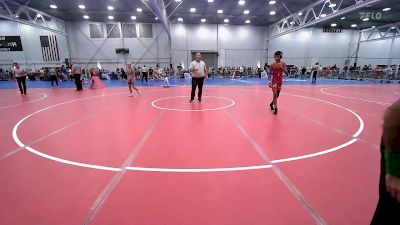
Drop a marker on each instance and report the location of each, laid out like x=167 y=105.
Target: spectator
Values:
x=123 y=74
x=53 y=77
x=119 y=74
x=151 y=72
x=303 y=72
x=145 y=74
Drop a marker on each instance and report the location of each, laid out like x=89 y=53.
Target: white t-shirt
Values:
x=389 y=70
x=144 y=69
x=76 y=68
x=19 y=72
x=52 y=72
x=200 y=66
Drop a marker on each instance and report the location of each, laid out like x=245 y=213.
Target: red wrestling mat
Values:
x=99 y=157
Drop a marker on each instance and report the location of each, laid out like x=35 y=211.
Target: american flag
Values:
x=49 y=48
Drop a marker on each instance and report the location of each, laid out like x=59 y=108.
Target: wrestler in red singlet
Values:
x=277 y=76
x=277 y=70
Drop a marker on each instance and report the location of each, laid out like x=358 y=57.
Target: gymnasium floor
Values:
x=100 y=157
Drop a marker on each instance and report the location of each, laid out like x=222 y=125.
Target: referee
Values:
x=199 y=73
x=76 y=73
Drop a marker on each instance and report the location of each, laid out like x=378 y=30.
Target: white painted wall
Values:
x=149 y=51
x=306 y=46
x=31 y=56
x=236 y=45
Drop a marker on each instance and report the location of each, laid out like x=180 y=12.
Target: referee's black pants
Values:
x=145 y=76
x=78 y=82
x=22 y=84
x=197 y=81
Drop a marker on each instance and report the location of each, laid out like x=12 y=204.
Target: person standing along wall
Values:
x=145 y=73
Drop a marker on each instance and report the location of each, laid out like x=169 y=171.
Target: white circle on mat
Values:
x=183 y=170
x=23 y=103
x=154 y=104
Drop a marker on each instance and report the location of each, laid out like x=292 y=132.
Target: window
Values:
x=129 y=30
x=113 y=30
x=96 y=31
x=146 y=30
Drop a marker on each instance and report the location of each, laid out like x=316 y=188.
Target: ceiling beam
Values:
x=159 y=10
x=311 y=16
x=53 y=24
x=388 y=31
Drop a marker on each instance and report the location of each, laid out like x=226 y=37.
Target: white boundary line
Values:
x=358 y=99
x=228 y=169
x=9 y=106
x=360 y=120
x=153 y=103
x=146 y=169
x=315 y=154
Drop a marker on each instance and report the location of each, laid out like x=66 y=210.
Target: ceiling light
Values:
x=365 y=19
x=110 y=7
x=246 y=12
x=156 y=18
x=333 y=25
x=272 y=2
x=133 y=17
x=292 y=22
x=220 y=11
x=323 y=15
x=247 y=21
x=300 y=13
x=210 y=0
x=53 y=6
x=203 y=20
x=226 y=20
x=192 y=9
x=180 y=19
x=38 y=15
x=242 y=2
x=343 y=18
x=86 y=17
x=386 y=9
x=353 y=25
x=178 y=0
x=82 y=6
x=332 y=5
x=272 y=13
x=139 y=9
x=110 y=17
x=393 y=28
x=373 y=27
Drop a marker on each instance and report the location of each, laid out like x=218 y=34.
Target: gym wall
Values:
x=31 y=56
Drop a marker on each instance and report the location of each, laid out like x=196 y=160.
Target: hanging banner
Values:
x=10 y=43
